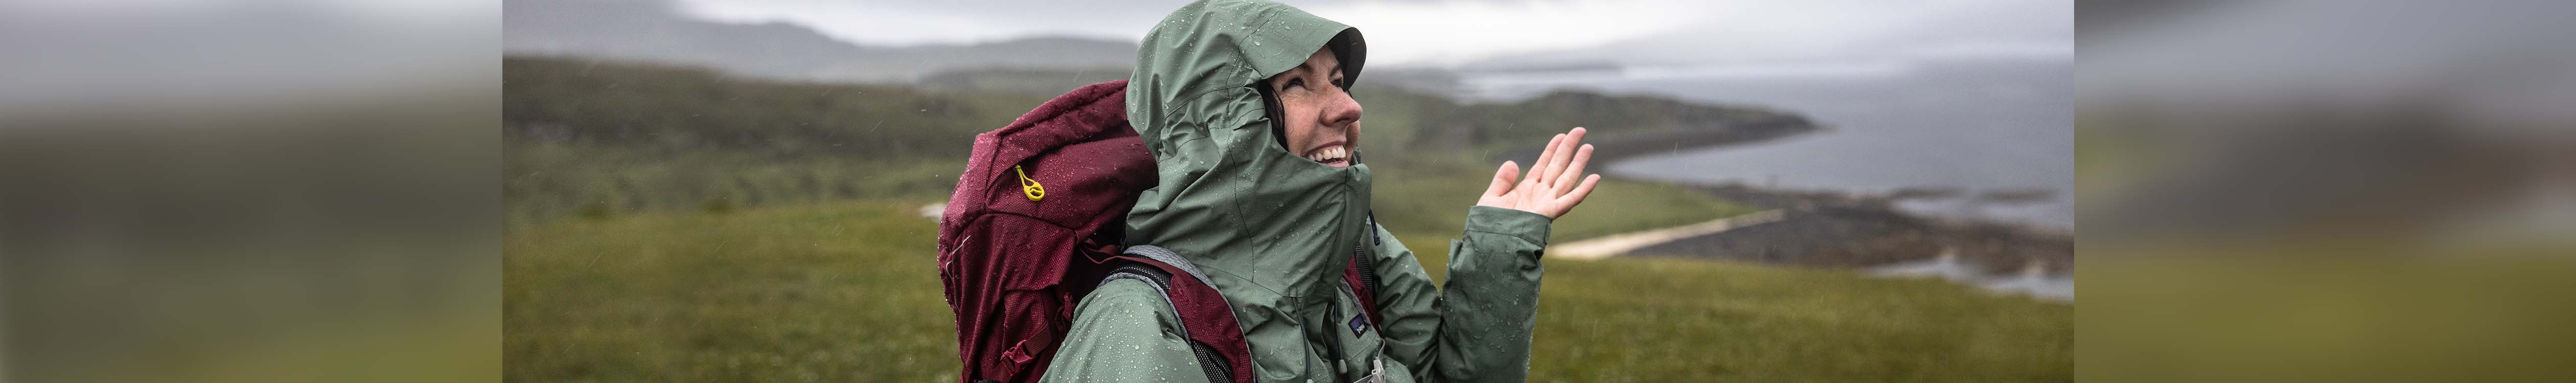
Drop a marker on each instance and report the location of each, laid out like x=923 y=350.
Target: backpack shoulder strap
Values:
x=1154 y=266
x=1167 y=257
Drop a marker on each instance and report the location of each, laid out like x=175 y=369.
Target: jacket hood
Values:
x=1270 y=228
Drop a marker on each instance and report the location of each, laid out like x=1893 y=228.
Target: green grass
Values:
x=847 y=292
x=843 y=292
x=1432 y=196
x=1679 y=320
x=548 y=181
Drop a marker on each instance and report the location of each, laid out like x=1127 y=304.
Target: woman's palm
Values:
x=1552 y=186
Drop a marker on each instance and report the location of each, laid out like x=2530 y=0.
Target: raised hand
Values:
x=1549 y=188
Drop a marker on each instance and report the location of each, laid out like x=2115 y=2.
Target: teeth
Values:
x=1330 y=154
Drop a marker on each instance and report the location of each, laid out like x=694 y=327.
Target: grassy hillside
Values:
x=846 y=292
x=596 y=139
x=1432 y=197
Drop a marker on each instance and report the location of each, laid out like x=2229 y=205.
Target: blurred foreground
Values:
x=2326 y=190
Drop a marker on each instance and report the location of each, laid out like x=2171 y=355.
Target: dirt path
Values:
x=1605 y=247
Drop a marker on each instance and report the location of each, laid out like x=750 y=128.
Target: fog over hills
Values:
x=654 y=31
x=1832 y=32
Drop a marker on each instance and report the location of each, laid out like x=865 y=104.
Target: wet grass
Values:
x=1432 y=195
x=847 y=292
x=1681 y=320
x=838 y=292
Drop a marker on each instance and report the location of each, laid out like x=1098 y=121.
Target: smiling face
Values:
x=1323 y=122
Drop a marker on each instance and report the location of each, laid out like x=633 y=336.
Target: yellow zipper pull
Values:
x=1029 y=186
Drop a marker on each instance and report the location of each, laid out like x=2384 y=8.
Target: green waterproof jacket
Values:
x=1273 y=231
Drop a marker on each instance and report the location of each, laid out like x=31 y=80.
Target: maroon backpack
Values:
x=1036 y=222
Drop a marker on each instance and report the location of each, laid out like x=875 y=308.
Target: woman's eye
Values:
x=1293 y=83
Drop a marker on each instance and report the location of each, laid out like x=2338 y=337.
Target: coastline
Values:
x=1825 y=228
x=1833 y=229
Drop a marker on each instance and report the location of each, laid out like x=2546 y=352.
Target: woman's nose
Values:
x=1341 y=110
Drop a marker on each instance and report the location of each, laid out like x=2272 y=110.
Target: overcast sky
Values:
x=1450 y=32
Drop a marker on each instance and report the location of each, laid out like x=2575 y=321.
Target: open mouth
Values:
x=1331 y=155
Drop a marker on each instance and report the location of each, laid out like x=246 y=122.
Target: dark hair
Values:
x=1277 y=113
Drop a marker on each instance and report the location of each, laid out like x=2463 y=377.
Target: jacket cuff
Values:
x=1527 y=226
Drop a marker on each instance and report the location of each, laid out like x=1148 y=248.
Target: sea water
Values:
x=1991 y=126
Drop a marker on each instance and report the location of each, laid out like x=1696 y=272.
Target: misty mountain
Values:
x=655 y=31
x=1855 y=30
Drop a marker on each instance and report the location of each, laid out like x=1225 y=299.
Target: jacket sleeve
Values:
x=1125 y=331
x=1477 y=328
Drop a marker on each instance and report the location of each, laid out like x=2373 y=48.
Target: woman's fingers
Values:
x=1548 y=187
x=1538 y=174
x=1582 y=157
x=1564 y=150
x=1576 y=197
x=1503 y=179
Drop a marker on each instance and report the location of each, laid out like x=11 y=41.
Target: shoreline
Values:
x=1839 y=230
x=1820 y=228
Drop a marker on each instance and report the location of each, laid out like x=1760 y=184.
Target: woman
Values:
x=1261 y=185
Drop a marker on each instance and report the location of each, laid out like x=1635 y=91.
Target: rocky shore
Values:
x=1830 y=229
x=1840 y=229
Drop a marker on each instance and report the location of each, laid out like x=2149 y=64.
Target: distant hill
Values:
x=587 y=135
x=1044 y=82
x=672 y=109
x=651 y=31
